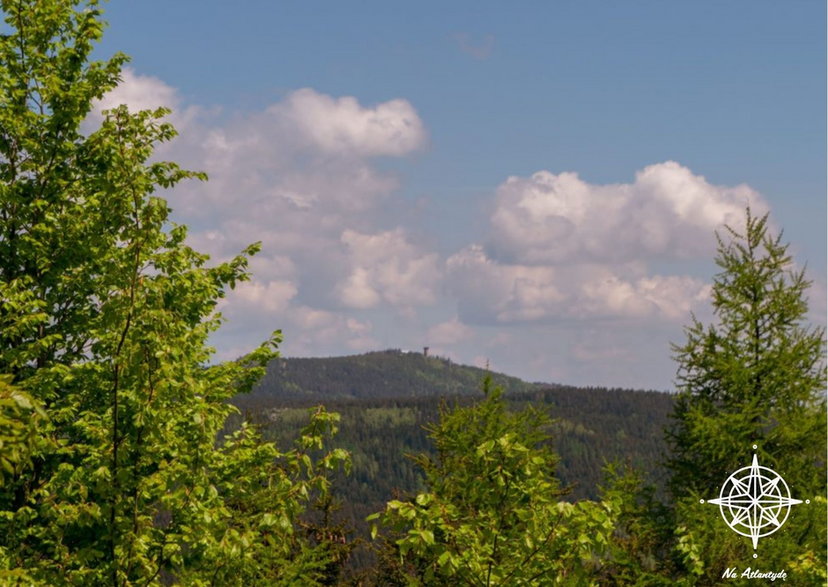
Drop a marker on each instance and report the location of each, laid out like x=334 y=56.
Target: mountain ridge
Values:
x=386 y=374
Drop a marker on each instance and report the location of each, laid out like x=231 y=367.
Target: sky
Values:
x=532 y=186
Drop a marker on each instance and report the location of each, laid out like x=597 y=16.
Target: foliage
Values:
x=254 y=507
x=755 y=377
x=592 y=426
x=641 y=541
x=104 y=317
x=20 y=418
x=492 y=512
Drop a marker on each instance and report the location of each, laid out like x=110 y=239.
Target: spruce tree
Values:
x=755 y=377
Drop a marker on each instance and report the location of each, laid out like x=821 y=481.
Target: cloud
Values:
x=270 y=297
x=594 y=281
x=668 y=212
x=342 y=126
x=479 y=49
x=449 y=333
x=312 y=331
x=817 y=295
x=299 y=176
x=387 y=267
x=562 y=249
x=489 y=292
x=142 y=92
x=571 y=281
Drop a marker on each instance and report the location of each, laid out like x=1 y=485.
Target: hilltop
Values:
x=387 y=400
x=382 y=374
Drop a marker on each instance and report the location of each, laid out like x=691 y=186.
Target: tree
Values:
x=755 y=377
x=492 y=514
x=104 y=317
x=641 y=542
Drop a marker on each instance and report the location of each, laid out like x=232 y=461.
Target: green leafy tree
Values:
x=104 y=318
x=493 y=514
x=20 y=418
x=641 y=541
x=754 y=377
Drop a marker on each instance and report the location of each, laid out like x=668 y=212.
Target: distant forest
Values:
x=387 y=401
x=383 y=374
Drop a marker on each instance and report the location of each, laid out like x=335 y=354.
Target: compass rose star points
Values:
x=755 y=501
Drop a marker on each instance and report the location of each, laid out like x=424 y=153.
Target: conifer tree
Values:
x=756 y=377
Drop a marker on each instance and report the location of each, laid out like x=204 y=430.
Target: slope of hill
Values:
x=386 y=399
x=382 y=374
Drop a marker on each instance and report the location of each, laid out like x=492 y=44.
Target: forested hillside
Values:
x=383 y=374
x=388 y=400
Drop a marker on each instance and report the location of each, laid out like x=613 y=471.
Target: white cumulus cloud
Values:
x=561 y=250
x=386 y=266
x=343 y=126
x=270 y=297
x=666 y=212
x=300 y=177
x=142 y=92
x=492 y=292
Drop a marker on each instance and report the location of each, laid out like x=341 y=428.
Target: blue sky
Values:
x=370 y=147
